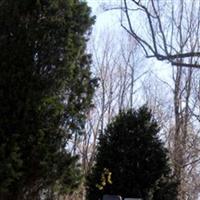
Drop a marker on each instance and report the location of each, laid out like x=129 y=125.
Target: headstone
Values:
x=111 y=197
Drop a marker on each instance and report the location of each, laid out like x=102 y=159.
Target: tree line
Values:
x=64 y=110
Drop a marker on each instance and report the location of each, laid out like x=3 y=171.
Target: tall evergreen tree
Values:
x=45 y=90
x=131 y=160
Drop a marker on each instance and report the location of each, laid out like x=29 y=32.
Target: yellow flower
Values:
x=99 y=187
x=109 y=178
x=105 y=178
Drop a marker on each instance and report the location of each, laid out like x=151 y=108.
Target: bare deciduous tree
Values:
x=116 y=66
x=168 y=25
x=179 y=126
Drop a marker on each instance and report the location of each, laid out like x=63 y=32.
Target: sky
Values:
x=108 y=23
x=110 y=20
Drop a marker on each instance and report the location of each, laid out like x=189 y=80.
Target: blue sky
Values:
x=110 y=21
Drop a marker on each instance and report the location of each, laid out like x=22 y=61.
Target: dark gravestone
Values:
x=132 y=199
x=111 y=197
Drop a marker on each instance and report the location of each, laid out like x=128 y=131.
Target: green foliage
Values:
x=45 y=90
x=131 y=150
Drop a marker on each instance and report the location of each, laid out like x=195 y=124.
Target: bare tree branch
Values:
x=163 y=46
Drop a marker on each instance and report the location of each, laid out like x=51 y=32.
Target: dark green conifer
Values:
x=45 y=90
x=136 y=158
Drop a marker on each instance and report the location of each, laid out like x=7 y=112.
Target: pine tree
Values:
x=45 y=90
x=135 y=158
